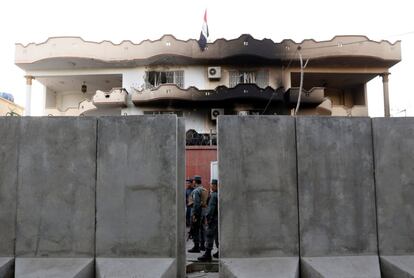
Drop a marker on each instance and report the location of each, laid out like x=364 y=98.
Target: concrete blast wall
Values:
x=298 y=197
x=353 y=175
x=56 y=191
x=336 y=197
x=55 y=219
x=394 y=175
x=9 y=130
x=53 y=170
x=136 y=194
x=258 y=196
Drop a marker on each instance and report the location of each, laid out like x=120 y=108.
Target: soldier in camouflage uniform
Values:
x=212 y=223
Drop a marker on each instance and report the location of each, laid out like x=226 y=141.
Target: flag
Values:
x=202 y=42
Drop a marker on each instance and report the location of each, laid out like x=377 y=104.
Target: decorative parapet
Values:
x=83 y=107
x=74 y=52
x=86 y=106
x=314 y=95
x=354 y=111
x=117 y=97
x=72 y=111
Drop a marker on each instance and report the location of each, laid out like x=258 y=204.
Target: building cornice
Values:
x=76 y=53
x=362 y=37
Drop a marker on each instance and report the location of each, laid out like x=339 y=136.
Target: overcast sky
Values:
x=35 y=21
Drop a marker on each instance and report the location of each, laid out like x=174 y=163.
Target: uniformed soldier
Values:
x=212 y=223
x=197 y=231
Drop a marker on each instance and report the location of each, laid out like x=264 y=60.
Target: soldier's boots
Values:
x=206 y=257
x=216 y=255
x=195 y=249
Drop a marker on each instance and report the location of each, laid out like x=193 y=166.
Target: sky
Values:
x=26 y=21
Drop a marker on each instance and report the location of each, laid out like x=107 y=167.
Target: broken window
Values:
x=260 y=78
x=154 y=79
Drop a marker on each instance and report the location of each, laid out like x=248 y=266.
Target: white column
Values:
x=27 y=109
x=386 y=94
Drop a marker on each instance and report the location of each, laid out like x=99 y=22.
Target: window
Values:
x=156 y=78
x=260 y=78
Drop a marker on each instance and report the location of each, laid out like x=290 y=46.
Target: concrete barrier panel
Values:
x=136 y=192
x=6 y=267
x=280 y=267
x=9 y=140
x=397 y=266
x=131 y=268
x=54 y=267
x=257 y=192
x=181 y=202
x=56 y=190
x=340 y=267
x=336 y=192
x=394 y=172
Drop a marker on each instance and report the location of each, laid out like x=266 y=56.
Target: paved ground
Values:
x=192 y=259
x=194 y=256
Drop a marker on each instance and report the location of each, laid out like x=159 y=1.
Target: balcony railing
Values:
x=117 y=97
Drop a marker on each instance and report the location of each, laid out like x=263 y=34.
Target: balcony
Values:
x=116 y=97
x=221 y=93
x=354 y=111
x=313 y=96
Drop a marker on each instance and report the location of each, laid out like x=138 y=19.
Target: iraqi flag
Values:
x=202 y=42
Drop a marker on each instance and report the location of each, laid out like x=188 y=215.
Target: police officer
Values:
x=197 y=231
x=212 y=223
x=189 y=189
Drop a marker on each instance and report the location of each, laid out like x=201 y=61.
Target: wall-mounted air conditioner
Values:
x=215 y=112
x=214 y=72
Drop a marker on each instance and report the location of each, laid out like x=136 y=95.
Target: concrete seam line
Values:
x=297 y=187
x=18 y=131
x=375 y=188
x=96 y=183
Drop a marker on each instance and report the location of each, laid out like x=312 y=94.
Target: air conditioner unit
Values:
x=214 y=72
x=215 y=112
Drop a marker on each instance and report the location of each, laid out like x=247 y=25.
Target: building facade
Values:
x=243 y=76
x=239 y=76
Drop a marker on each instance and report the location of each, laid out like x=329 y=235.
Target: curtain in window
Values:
x=234 y=78
x=248 y=77
x=179 y=78
x=156 y=78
